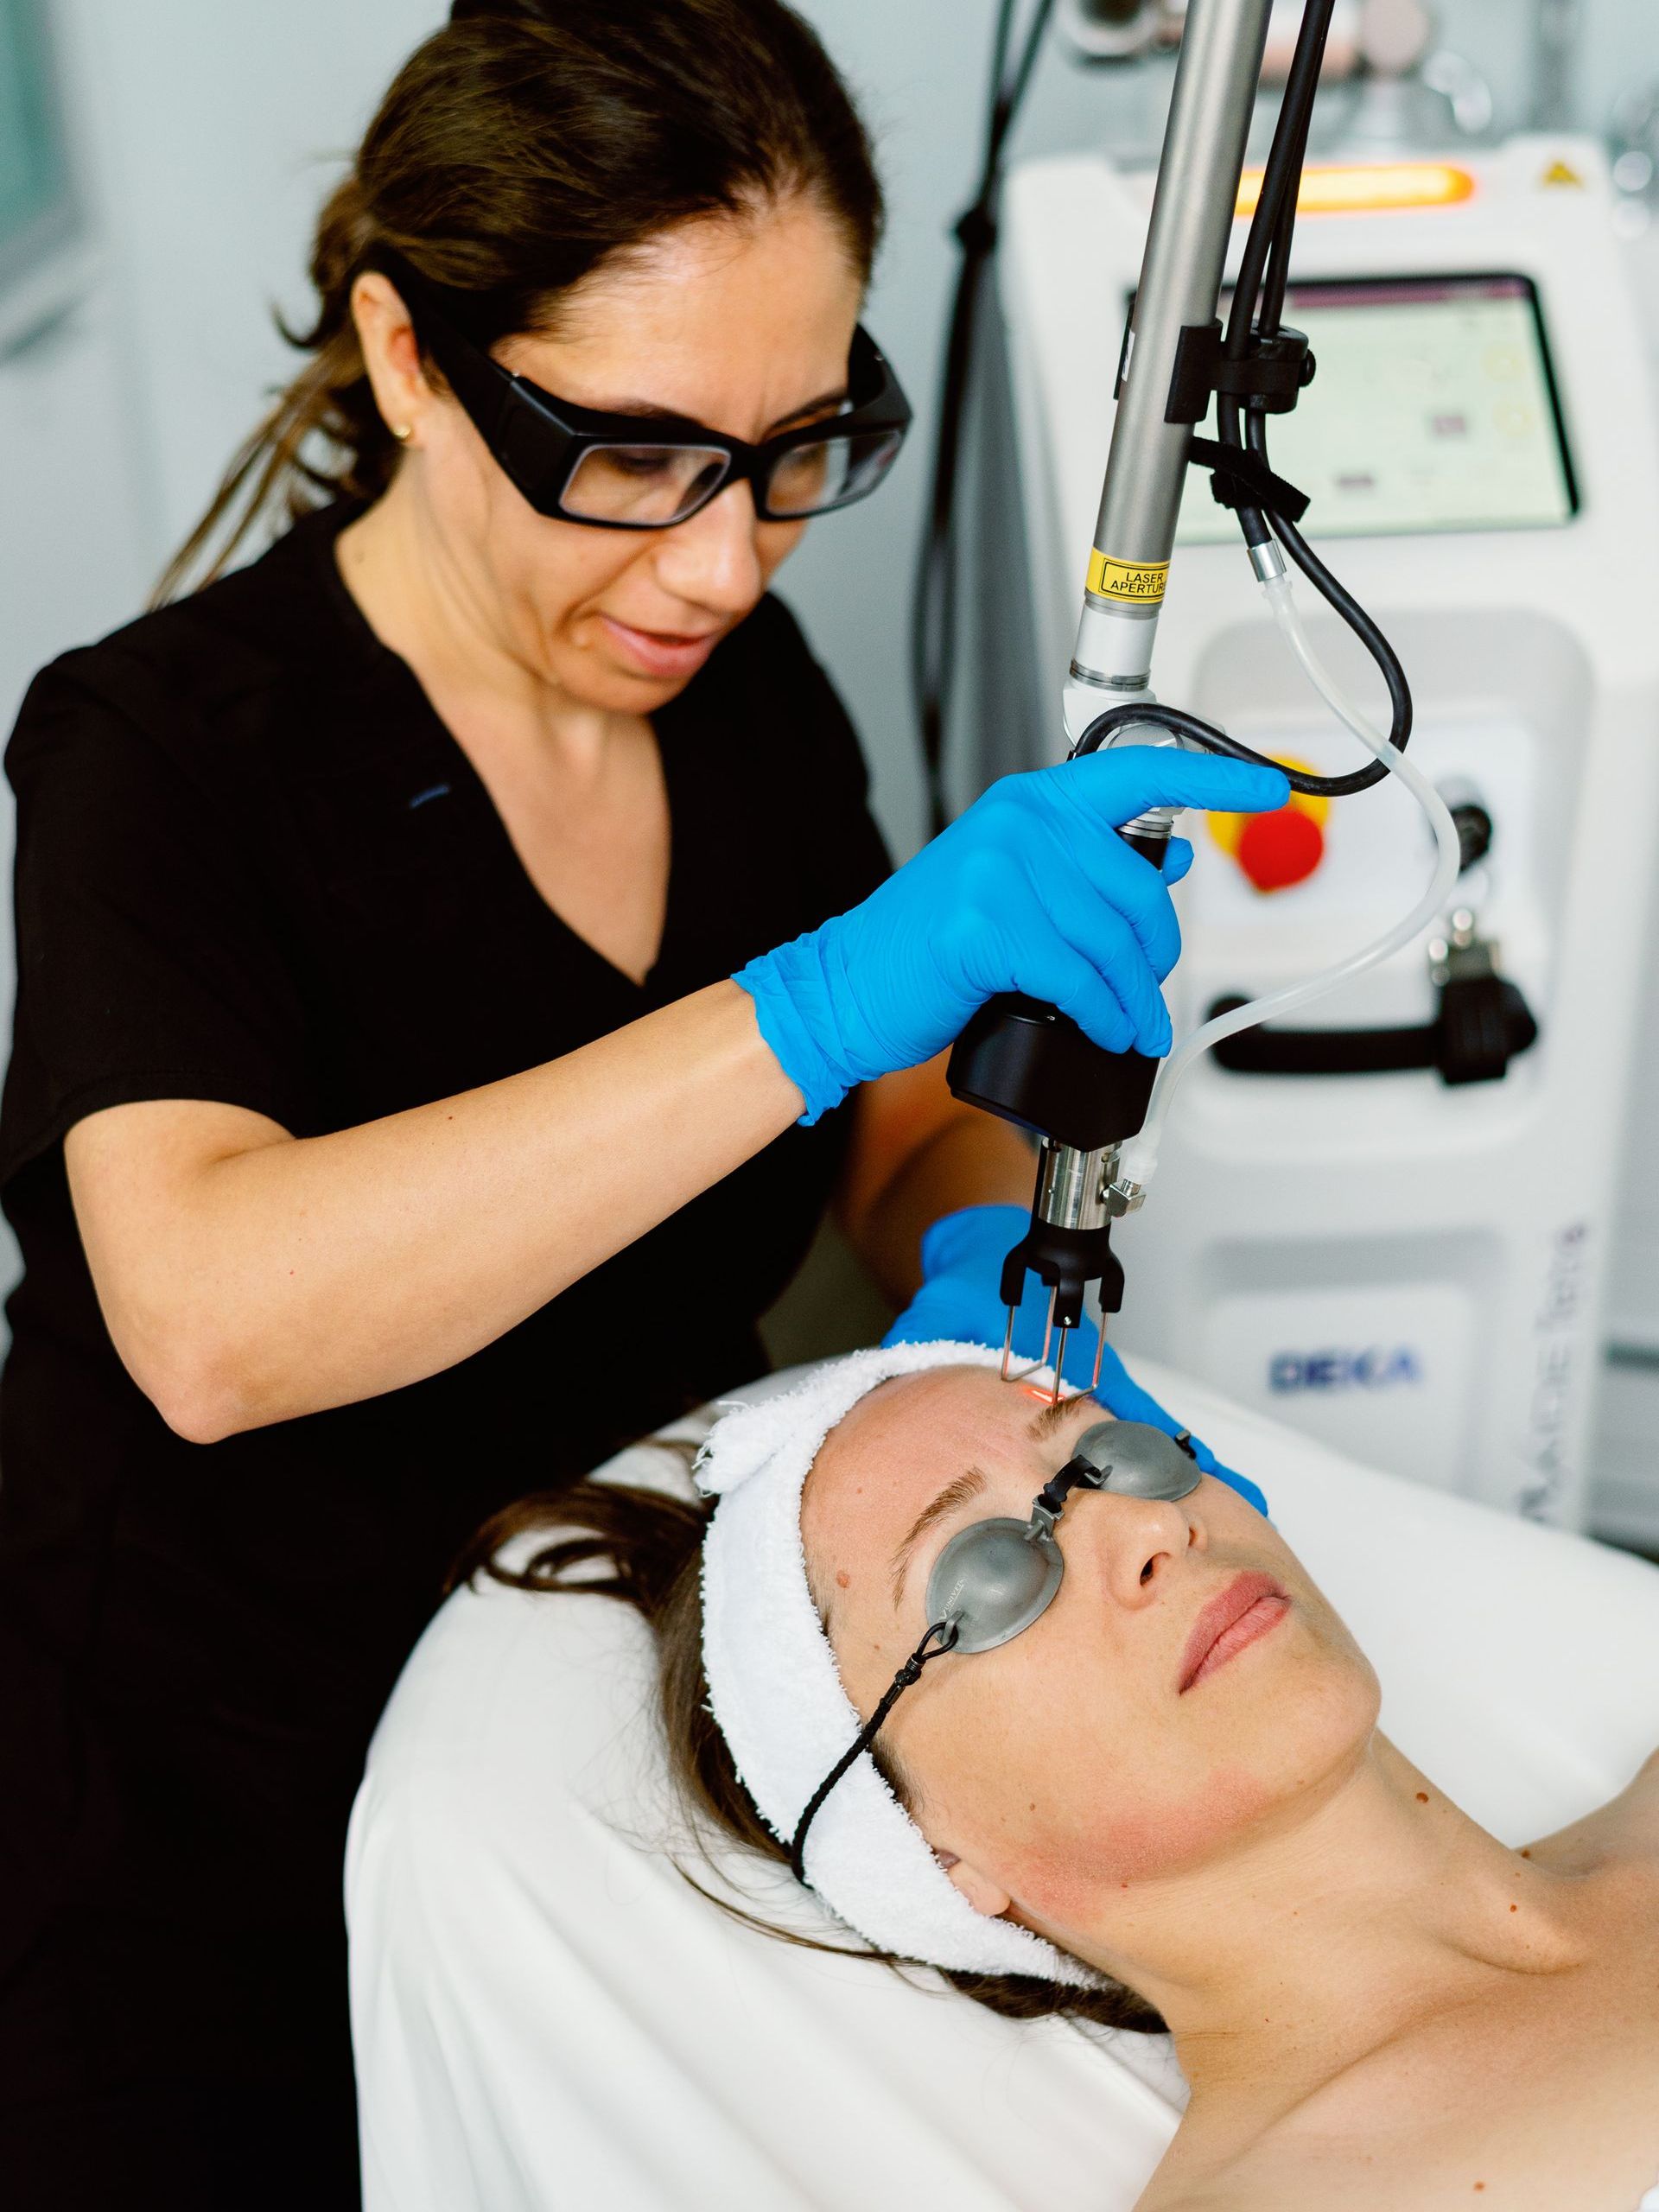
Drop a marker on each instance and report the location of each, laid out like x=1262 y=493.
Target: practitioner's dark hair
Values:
x=521 y=148
x=644 y=1547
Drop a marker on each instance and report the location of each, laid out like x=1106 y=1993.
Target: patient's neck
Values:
x=1330 y=1934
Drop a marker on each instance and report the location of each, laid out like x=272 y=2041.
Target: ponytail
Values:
x=329 y=403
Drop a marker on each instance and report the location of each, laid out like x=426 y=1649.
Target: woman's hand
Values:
x=1028 y=892
x=960 y=1301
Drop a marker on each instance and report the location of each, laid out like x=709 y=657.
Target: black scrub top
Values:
x=253 y=866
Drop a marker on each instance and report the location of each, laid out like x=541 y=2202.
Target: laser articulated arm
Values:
x=1020 y=1059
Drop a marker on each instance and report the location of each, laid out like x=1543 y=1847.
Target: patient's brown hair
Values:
x=644 y=1547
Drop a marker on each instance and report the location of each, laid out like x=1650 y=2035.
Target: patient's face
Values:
x=1078 y=1758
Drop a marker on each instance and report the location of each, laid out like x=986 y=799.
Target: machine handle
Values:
x=1484 y=1023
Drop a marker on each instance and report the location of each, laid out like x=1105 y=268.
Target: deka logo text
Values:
x=1374 y=1368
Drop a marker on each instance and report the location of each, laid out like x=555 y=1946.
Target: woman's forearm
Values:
x=292 y=1274
x=918 y=1154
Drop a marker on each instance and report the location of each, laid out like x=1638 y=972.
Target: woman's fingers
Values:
x=1092 y=923
x=1062 y=977
x=1139 y=893
x=1117 y=787
x=1138 y=778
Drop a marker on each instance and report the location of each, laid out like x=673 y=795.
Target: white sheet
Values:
x=547 y=2016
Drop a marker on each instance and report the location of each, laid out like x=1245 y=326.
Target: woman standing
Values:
x=403 y=1104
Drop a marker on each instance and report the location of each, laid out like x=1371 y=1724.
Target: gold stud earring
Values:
x=402 y=431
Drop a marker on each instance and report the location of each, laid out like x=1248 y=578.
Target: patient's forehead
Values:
x=887 y=1458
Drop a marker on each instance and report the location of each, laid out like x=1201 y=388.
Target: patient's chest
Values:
x=1543 y=2099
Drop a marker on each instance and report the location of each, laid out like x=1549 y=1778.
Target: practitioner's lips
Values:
x=663 y=652
x=1248 y=1608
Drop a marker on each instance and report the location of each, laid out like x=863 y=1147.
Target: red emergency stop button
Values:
x=1277 y=850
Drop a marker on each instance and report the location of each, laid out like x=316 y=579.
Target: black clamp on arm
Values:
x=1242 y=480
x=1270 y=380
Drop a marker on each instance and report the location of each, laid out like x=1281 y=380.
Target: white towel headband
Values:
x=776 y=1694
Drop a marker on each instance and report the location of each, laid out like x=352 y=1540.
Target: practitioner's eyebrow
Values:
x=649 y=410
x=954 y=1494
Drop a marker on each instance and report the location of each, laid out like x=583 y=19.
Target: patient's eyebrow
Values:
x=1053 y=1416
x=953 y=1495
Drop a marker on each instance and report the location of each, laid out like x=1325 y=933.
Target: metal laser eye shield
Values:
x=993 y=1580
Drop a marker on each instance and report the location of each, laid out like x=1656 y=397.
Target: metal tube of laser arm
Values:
x=1193 y=213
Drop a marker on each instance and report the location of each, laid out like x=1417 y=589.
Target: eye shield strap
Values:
x=939 y=1639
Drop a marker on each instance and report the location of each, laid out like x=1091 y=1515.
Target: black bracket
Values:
x=1270 y=380
x=1244 y=479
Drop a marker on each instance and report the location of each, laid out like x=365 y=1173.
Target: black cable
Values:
x=1314 y=36
x=1343 y=602
x=1266 y=246
x=1268 y=322
x=1179 y=723
x=1257 y=315
x=1282 y=178
x=934 y=619
x=909 y=1673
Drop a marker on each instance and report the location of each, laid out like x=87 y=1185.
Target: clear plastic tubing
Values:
x=1140 y=1156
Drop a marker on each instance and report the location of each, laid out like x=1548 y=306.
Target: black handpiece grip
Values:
x=1028 y=1063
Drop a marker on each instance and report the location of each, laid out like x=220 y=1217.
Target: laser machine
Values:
x=1385 y=1218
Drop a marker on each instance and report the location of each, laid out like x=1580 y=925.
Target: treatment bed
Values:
x=546 y=2013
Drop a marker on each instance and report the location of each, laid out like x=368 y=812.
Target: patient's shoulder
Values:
x=1633 y=1816
x=1624 y=1830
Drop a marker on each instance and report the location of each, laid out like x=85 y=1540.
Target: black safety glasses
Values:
x=626 y=472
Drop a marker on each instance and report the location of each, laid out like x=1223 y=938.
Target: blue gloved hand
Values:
x=1029 y=891
x=960 y=1301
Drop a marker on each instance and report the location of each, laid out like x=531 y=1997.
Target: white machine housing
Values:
x=1409 y=1271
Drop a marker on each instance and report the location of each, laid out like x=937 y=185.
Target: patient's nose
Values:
x=1139 y=1540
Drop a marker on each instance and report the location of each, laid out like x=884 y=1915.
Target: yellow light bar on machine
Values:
x=1369 y=187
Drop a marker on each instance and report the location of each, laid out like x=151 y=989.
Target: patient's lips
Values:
x=1248 y=1608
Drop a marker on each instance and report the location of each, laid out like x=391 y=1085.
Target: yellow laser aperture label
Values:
x=1132 y=583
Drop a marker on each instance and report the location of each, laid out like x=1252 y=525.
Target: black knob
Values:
x=1474 y=826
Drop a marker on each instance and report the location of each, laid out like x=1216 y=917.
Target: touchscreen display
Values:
x=1434 y=409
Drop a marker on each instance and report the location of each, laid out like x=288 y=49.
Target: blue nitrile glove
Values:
x=960 y=1301
x=1028 y=892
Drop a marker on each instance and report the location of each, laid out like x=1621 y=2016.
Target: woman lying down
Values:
x=1125 y=1767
